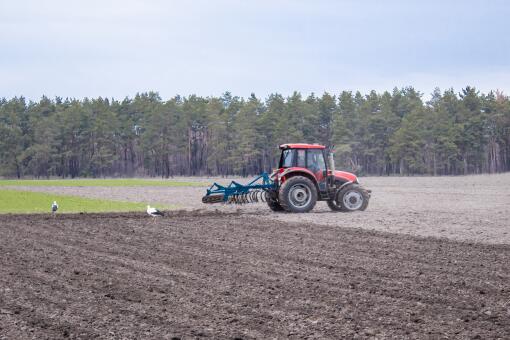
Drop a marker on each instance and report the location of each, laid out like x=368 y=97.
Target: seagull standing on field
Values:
x=154 y=212
x=54 y=208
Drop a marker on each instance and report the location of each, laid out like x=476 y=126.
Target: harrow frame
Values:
x=238 y=193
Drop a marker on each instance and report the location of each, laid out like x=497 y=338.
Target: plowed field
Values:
x=225 y=276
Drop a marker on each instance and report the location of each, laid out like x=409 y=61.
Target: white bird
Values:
x=54 y=207
x=154 y=212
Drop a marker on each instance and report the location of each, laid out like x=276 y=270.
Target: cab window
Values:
x=315 y=160
x=287 y=158
x=301 y=158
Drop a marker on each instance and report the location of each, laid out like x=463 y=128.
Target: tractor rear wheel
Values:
x=272 y=200
x=274 y=205
x=298 y=194
x=350 y=198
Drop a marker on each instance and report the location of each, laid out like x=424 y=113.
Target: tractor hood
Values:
x=346 y=176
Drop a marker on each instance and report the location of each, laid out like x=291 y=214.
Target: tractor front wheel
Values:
x=350 y=198
x=333 y=205
x=298 y=194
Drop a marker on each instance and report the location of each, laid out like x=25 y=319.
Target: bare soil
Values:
x=469 y=208
x=225 y=276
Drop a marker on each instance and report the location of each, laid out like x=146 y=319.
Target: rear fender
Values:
x=291 y=172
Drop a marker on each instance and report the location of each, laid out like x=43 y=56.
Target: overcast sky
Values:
x=118 y=48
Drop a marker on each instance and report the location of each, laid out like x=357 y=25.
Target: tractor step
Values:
x=324 y=196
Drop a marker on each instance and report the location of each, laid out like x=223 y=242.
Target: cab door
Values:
x=316 y=163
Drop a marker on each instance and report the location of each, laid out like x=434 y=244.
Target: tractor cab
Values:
x=308 y=157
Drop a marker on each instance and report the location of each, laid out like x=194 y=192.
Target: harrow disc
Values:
x=216 y=198
x=236 y=193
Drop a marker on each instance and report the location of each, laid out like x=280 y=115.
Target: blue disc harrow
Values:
x=237 y=193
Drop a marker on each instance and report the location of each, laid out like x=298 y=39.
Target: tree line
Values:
x=390 y=133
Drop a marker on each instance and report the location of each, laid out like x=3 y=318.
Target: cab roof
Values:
x=302 y=146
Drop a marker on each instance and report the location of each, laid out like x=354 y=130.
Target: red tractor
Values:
x=304 y=177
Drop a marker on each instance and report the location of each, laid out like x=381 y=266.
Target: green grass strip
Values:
x=26 y=202
x=129 y=182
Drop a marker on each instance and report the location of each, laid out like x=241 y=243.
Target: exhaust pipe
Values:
x=331 y=162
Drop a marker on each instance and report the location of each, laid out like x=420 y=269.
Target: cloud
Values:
x=117 y=48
